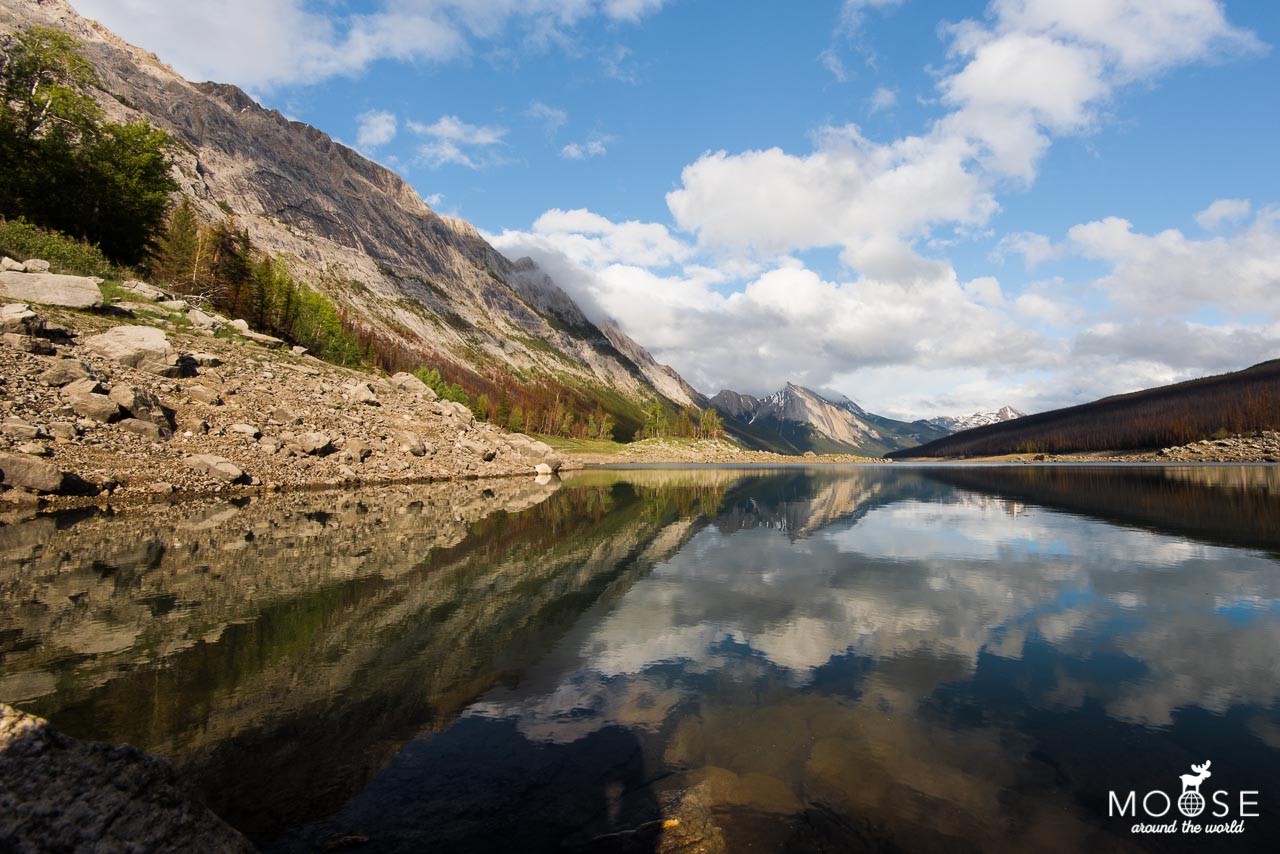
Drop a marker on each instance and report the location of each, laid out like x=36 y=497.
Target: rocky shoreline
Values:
x=147 y=396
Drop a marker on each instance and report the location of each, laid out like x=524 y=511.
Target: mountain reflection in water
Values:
x=897 y=658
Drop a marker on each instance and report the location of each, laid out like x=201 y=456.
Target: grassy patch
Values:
x=581 y=446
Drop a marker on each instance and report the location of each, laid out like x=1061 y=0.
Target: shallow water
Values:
x=886 y=658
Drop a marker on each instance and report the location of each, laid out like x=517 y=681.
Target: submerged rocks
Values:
x=144 y=348
x=62 y=794
x=52 y=289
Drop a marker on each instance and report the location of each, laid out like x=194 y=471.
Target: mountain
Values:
x=798 y=419
x=422 y=288
x=1235 y=403
x=956 y=423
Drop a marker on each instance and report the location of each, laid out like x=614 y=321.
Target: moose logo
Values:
x=1191 y=802
x=1153 y=809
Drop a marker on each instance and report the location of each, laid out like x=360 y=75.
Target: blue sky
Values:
x=932 y=207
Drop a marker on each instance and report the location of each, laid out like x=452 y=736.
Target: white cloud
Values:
x=289 y=42
x=374 y=129
x=1168 y=273
x=833 y=63
x=1035 y=70
x=1035 y=249
x=1223 y=211
x=453 y=141
x=551 y=118
x=882 y=99
x=786 y=322
x=593 y=146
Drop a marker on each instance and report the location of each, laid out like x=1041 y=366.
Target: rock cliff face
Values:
x=357 y=231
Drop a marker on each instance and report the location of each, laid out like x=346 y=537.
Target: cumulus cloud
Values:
x=1168 y=273
x=1223 y=211
x=785 y=323
x=450 y=140
x=291 y=42
x=375 y=129
x=1035 y=70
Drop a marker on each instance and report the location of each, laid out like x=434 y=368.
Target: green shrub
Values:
x=21 y=240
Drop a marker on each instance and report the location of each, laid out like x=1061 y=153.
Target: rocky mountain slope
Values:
x=429 y=285
x=956 y=423
x=796 y=419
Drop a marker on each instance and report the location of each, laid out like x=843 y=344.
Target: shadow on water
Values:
x=873 y=658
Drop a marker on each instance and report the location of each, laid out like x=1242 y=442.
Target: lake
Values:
x=890 y=658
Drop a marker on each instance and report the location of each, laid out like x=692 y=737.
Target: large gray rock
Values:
x=50 y=289
x=409 y=443
x=61 y=794
x=315 y=444
x=145 y=429
x=144 y=290
x=217 y=467
x=142 y=347
x=89 y=400
x=7 y=264
x=64 y=372
x=361 y=392
x=28 y=472
x=412 y=385
x=200 y=320
x=18 y=318
x=35 y=265
x=141 y=403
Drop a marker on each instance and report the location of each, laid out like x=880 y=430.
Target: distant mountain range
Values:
x=954 y=424
x=797 y=419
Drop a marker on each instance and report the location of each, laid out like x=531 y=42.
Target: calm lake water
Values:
x=879 y=658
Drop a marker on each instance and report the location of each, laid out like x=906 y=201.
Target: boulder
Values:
x=28 y=472
x=144 y=290
x=89 y=401
x=18 y=318
x=246 y=430
x=240 y=325
x=204 y=394
x=355 y=451
x=35 y=265
x=200 y=320
x=48 y=289
x=206 y=360
x=7 y=265
x=268 y=341
x=412 y=385
x=315 y=444
x=145 y=429
x=64 y=372
x=19 y=429
x=62 y=794
x=409 y=443
x=362 y=393
x=28 y=344
x=217 y=467
x=144 y=348
x=140 y=403
x=175 y=304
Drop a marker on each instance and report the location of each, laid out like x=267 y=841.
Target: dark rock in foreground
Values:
x=61 y=794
